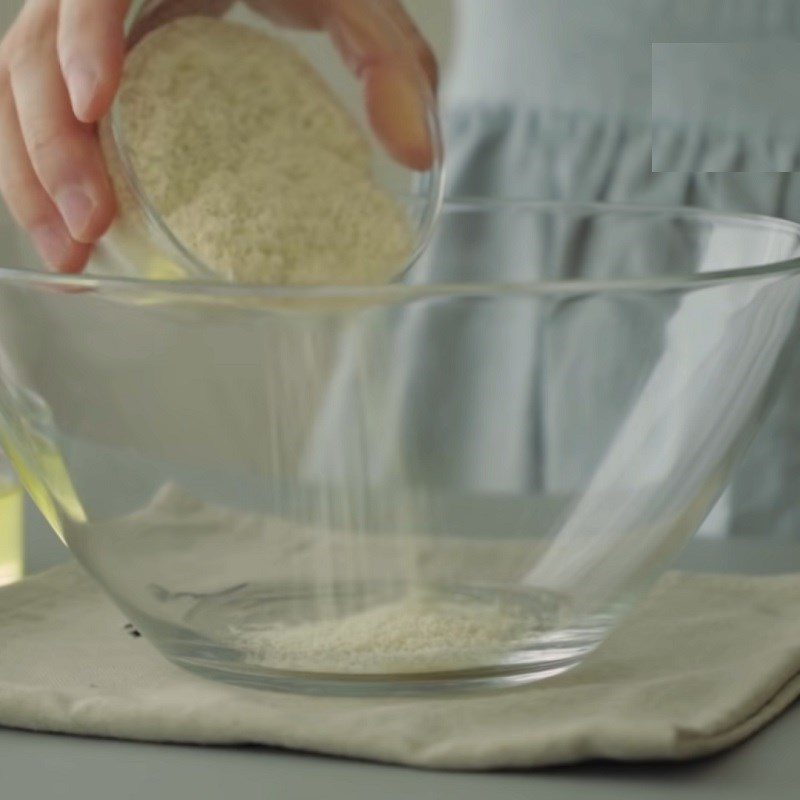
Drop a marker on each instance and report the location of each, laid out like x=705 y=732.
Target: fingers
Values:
x=60 y=67
x=91 y=49
x=64 y=152
x=398 y=115
x=31 y=207
x=380 y=43
x=388 y=60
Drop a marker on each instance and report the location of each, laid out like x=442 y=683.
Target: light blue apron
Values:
x=552 y=99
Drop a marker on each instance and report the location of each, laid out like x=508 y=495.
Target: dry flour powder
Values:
x=417 y=633
x=251 y=160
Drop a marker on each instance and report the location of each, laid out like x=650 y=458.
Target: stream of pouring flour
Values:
x=336 y=562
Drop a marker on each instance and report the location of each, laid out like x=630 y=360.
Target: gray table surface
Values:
x=41 y=765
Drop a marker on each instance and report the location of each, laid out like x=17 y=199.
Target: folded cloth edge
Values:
x=16 y=713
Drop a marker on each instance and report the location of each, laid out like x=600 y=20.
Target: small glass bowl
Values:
x=141 y=243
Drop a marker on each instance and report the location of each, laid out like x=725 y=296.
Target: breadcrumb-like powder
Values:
x=252 y=161
x=413 y=634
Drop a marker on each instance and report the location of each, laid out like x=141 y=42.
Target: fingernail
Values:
x=82 y=83
x=399 y=114
x=77 y=207
x=413 y=112
x=53 y=244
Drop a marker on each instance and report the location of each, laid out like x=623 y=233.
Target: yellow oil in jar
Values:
x=45 y=476
x=11 y=530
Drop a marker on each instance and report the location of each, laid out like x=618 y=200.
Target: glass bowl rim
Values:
x=398 y=292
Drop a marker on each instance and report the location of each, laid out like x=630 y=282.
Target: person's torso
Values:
x=554 y=99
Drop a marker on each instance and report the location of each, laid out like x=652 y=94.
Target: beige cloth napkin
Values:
x=703 y=663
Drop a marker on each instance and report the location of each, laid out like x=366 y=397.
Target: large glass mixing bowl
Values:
x=461 y=481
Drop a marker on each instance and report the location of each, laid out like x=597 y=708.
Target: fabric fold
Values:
x=704 y=662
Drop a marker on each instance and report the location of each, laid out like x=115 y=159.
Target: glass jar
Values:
x=141 y=242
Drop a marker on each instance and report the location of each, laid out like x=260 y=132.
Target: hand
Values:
x=61 y=65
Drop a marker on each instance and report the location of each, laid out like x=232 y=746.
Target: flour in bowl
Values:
x=420 y=632
x=251 y=160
